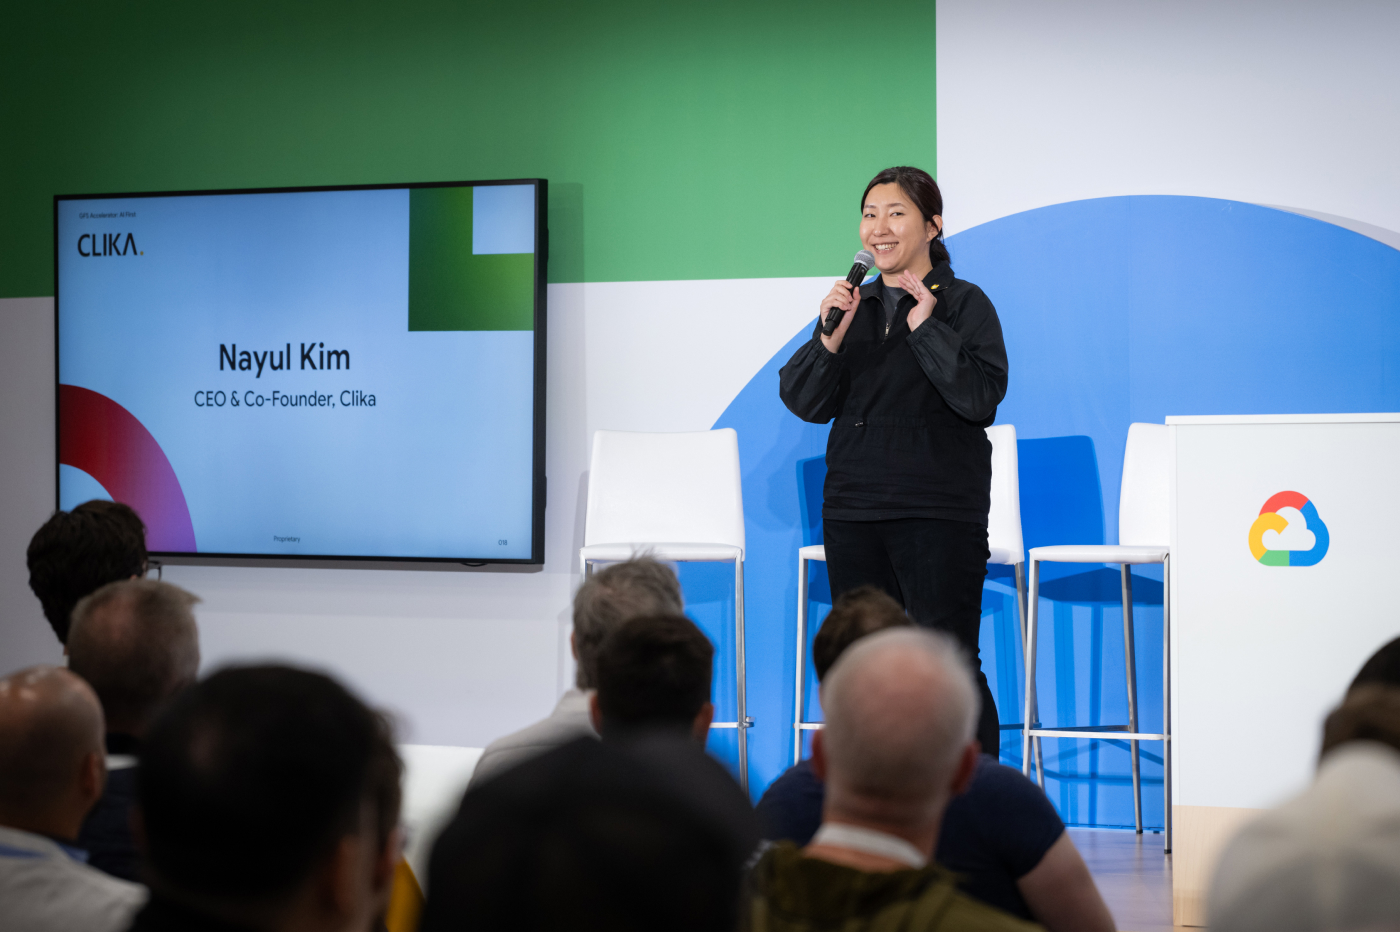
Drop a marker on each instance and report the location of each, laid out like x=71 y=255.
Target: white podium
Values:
x=1281 y=577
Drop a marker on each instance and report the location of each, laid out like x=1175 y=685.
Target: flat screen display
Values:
x=327 y=372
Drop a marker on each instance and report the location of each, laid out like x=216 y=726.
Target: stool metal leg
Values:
x=1039 y=765
x=740 y=675
x=1167 y=702
x=1020 y=570
x=798 y=693
x=1130 y=662
x=1029 y=721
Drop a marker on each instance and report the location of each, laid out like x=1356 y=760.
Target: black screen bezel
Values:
x=538 y=482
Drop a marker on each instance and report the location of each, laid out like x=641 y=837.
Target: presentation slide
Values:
x=309 y=373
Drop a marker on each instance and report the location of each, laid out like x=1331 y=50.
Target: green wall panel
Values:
x=451 y=288
x=716 y=140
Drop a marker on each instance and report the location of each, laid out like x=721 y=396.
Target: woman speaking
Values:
x=911 y=377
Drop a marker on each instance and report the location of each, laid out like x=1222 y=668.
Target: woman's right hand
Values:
x=847 y=297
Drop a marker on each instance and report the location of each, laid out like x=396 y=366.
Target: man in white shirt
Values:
x=617 y=593
x=52 y=770
x=1330 y=857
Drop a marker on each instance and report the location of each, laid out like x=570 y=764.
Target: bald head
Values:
x=136 y=642
x=51 y=731
x=901 y=710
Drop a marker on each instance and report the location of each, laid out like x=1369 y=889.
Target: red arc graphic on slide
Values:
x=106 y=441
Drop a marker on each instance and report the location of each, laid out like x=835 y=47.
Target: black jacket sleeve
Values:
x=810 y=383
x=960 y=349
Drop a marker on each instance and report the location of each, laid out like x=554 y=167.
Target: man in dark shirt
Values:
x=1001 y=835
x=641 y=830
x=137 y=644
x=654 y=675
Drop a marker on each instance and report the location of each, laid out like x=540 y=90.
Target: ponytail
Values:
x=937 y=252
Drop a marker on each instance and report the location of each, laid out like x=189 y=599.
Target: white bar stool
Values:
x=677 y=497
x=1143 y=534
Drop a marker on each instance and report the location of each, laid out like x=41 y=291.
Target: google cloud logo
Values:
x=1288 y=532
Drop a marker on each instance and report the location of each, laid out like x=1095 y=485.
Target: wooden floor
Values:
x=1133 y=875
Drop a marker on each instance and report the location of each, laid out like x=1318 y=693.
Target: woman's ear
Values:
x=933 y=227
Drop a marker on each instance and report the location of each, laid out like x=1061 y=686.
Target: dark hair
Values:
x=861 y=611
x=596 y=835
x=923 y=191
x=1381 y=668
x=77 y=551
x=1369 y=713
x=640 y=586
x=249 y=779
x=136 y=643
x=654 y=672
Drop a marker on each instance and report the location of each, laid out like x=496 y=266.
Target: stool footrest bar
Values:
x=1106 y=733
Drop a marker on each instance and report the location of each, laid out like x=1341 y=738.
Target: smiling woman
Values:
x=910 y=378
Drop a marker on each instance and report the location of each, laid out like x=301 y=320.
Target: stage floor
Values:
x=1133 y=875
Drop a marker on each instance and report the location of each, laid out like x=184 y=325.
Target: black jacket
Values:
x=909 y=408
x=106 y=832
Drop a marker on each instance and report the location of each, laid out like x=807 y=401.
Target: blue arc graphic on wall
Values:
x=1115 y=310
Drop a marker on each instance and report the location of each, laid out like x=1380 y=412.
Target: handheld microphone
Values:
x=864 y=260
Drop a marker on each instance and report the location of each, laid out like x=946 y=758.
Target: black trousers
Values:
x=935 y=569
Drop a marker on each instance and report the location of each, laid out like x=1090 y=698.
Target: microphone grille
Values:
x=865 y=258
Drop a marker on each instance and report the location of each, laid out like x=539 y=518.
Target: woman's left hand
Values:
x=923 y=310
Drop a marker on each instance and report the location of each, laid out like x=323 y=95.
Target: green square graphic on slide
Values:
x=450 y=288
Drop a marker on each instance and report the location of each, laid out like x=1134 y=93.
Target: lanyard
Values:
x=840 y=835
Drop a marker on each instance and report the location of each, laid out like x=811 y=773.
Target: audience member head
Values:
x=596 y=835
x=861 y=611
x=641 y=586
x=77 y=551
x=52 y=764
x=653 y=673
x=270 y=795
x=1369 y=713
x=899 y=742
x=1381 y=668
x=137 y=644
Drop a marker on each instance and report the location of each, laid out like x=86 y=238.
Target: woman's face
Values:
x=892 y=228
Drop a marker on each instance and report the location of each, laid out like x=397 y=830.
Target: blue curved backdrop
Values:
x=1115 y=310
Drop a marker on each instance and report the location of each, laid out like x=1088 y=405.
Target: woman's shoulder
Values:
x=967 y=303
x=966 y=290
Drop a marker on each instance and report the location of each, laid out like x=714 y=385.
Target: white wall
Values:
x=462 y=655
x=27 y=438
x=1286 y=104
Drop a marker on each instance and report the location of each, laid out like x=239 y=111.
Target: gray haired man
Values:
x=620 y=592
x=137 y=644
x=899 y=743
